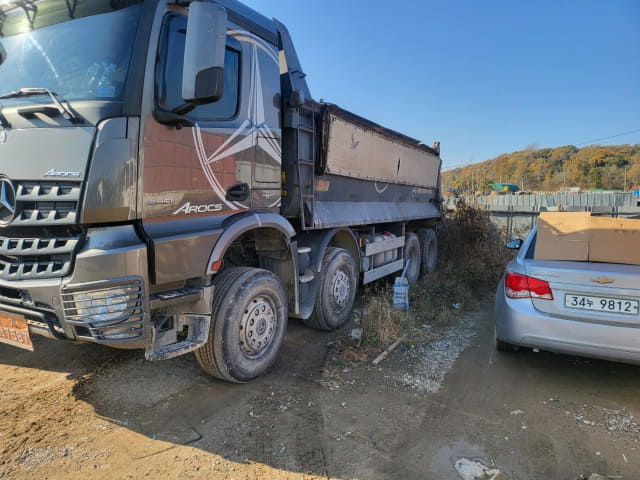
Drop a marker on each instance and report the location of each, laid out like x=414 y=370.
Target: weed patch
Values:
x=471 y=259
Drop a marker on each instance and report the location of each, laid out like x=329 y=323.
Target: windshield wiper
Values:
x=56 y=98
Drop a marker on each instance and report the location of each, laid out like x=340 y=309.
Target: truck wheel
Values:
x=413 y=255
x=249 y=320
x=429 y=248
x=338 y=283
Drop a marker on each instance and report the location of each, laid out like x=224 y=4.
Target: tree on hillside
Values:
x=595 y=177
x=550 y=169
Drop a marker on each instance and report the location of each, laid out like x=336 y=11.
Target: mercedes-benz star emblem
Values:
x=7 y=201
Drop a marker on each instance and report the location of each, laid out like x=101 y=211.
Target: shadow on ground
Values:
x=168 y=417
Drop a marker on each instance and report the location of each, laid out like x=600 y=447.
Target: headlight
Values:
x=100 y=304
x=104 y=305
x=106 y=311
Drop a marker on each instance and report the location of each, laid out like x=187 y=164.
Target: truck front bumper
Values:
x=104 y=300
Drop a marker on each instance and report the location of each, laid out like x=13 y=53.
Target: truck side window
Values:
x=169 y=75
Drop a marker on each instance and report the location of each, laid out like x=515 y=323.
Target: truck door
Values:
x=203 y=166
x=265 y=117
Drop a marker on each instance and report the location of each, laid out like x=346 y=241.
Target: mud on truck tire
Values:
x=248 y=325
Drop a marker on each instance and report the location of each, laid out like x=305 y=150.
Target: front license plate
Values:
x=601 y=304
x=14 y=330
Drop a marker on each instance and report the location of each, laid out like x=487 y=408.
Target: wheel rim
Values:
x=257 y=327
x=341 y=289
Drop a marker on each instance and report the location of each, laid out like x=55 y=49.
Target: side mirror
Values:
x=515 y=244
x=3 y=54
x=204 y=51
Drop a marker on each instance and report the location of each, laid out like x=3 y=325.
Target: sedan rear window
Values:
x=532 y=248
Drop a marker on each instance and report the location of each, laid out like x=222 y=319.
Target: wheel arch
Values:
x=273 y=233
x=235 y=227
x=319 y=241
x=335 y=237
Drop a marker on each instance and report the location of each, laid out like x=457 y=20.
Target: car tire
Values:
x=503 y=346
x=248 y=325
x=429 y=249
x=413 y=253
x=336 y=295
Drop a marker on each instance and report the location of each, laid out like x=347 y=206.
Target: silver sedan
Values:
x=580 y=308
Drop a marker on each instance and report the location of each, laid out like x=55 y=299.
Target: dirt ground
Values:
x=82 y=411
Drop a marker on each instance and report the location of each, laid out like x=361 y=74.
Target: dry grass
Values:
x=471 y=260
x=381 y=322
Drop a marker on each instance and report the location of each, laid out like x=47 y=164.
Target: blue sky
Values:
x=483 y=77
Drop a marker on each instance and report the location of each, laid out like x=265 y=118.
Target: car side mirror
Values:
x=514 y=244
x=204 y=52
x=3 y=54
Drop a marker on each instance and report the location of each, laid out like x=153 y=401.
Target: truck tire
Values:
x=429 y=249
x=249 y=320
x=338 y=283
x=413 y=254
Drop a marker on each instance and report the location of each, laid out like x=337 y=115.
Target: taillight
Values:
x=521 y=286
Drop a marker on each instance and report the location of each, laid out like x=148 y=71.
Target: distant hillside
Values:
x=550 y=169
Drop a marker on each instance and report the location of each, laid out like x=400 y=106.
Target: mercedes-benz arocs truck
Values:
x=167 y=183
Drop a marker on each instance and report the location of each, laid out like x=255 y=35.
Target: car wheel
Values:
x=502 y=346
x=429 y=249
x=249 y=320
x=412 y=254
x=338 y=283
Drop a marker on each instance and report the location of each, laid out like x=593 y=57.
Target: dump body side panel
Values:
x=371 y=174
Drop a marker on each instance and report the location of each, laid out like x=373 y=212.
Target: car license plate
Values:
x=602 y=304
x=14 y=330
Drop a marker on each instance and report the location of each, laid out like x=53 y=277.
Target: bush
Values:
x=472 y=253
x=471 y=260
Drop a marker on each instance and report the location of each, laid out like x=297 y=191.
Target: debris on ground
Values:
x=597 y=476
x=401 y=290
x=476 y=470
x=429 y=363
x=388 y=350
x=611 y=420
x=355 y=337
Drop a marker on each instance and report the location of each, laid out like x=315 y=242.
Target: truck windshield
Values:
x=79 y=49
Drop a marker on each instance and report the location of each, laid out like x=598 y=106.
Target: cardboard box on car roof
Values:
x=579 y=236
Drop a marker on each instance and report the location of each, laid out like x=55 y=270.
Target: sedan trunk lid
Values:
x=589 y=291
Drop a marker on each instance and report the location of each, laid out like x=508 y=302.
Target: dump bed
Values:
x=366 y=174
x=354 y=147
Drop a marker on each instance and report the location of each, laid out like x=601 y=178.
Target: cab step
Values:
x=169 y=298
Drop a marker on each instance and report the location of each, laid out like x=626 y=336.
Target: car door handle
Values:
x=238 y=192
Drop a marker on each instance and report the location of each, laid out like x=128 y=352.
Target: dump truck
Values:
x=168 y=184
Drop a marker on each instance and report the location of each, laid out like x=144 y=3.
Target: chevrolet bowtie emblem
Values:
x=602 y=280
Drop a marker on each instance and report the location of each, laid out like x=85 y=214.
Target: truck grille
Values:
x=40 y=240
x=46 y=203
x=30 y=257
